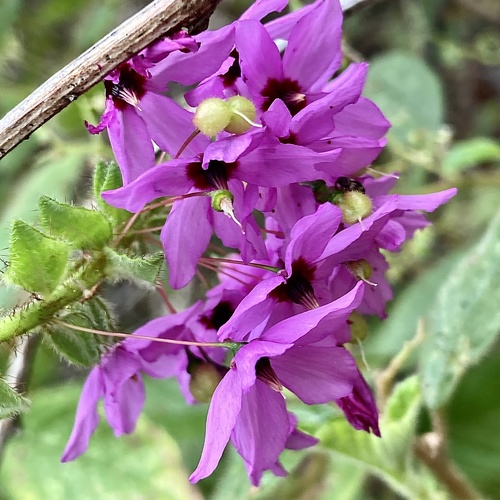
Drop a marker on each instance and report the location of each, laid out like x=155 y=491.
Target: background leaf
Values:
x=11 y=402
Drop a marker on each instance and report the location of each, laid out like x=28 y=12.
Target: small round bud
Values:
x=212 y=116
x=358 y=326
x=360 y=269
x=242 y=106
x=205 y=378
x=354 y=205
x=220 y=197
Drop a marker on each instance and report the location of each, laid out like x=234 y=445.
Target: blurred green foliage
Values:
x=435 y=72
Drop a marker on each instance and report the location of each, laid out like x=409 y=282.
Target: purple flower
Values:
x=117 y=380
x=248 y=406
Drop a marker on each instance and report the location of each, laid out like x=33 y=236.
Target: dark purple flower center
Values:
x=214 y=177
x=129 y=89
x=219 y=315
x=298 y=288
x=234 y=71
x=266 y=374
x=288 y=91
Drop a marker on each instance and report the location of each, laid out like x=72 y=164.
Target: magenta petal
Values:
x=261 y=430
x=170 y=125
x=293 y=328
x=313 y=53
x=221 y=419
x=185 y=237
x=261 y=8
x=311 y=234
x=252 y=310
x=109 y=115
x=298 y=440
x=316 y=374
x=167 y=179
x=281 y=27
x=131 y=143
x=278 y=118
x=87 y=417
x=427 y=202
x=260 y=59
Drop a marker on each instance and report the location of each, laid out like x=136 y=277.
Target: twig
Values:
x=155 y=20
x=17 y=376
x=431 y=449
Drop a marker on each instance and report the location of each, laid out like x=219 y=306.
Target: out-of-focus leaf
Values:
x=75 y=347
x=107 y=176
x=37 y=262
x=82 y=227
x=408 y=92
x=11 y=402
x=470 y=153
x=465 y=320
x=473 y=415
x=390 y=457
x=410 y=304
x=141 y=270
x=146 y=464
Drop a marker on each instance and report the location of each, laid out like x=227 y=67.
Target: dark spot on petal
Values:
x=298 y=286
x=287 y=90
x=218 y=316
x=130 y=82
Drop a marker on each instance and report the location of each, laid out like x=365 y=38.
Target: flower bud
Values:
x=222 y=201
x=354 y=205
x=358 y=327
x=243 y=106
x=212 y=116
x=205 y=378
x=360 y=269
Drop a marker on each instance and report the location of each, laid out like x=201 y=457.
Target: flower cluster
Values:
x=271 y=157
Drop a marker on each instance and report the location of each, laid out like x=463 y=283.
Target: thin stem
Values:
x=186 y=143
x=158 y=18
x=241 y=263
x=129 y=224
x=163 y=294
x=147 y=230
x=141 y=337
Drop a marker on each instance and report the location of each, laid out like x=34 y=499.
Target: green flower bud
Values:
x=212 y=116
x=240 y=105
x=205 y=378
x=354 y=205
x=220 y=199
x=361 y=270
x=358 y=326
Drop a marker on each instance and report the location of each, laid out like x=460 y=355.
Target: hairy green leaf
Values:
x=11 y=402
x=465 y=320
x=82 y=227
x=141 y=270
x=470 y=153
x=37 y=262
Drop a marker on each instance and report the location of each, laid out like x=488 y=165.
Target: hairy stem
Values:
x=80 y=286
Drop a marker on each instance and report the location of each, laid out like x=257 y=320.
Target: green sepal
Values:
x=81 y=227
x=107 y=176
x=37 y=262
x=141 y=270
x=11 y=402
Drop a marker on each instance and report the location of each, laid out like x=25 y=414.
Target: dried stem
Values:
x=159 y=18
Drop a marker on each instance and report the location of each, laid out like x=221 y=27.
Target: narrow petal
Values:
x=278 y=118
x=252 y=310
x=261 y=8
x=313 y=53
x=427 y=202
x=261 y=430
x=109 y=115
x=87 y=417
x=170 y=125
x=131 y=143
x=316 y=374
x=185 y=236
x=221 y=419
x=166 y=179
x=260 y=59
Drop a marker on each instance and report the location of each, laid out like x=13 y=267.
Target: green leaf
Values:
x=465 y=320
x=11 y=402
x=470 y=153
x=146 y=464
x=474 y=434
x=82 y=227
x=408 y=93
x=107 y=176
x=141 y=270
x=78 y=348
x=37 y=262
x=389 y=457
